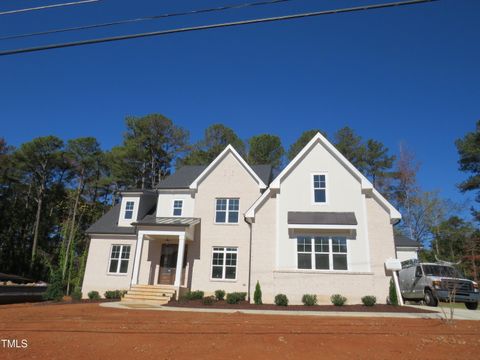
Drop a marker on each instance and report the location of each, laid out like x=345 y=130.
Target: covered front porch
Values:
x=161 y=253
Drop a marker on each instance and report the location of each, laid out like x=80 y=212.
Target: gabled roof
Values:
x=404 y=241
x=186 y=175
x=108 y=224
x=182 y=178
x=366 y=185
x=228 y=150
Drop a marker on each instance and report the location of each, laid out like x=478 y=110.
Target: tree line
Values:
x=52 y=190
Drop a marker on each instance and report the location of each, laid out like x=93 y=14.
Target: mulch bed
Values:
x=319 y=308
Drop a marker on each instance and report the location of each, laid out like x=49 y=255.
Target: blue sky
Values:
x=408 y=74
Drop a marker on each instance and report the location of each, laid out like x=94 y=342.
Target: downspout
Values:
x=249 y=260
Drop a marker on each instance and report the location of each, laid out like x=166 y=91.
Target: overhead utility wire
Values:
x=155 y=17
x=212 y=26
x=48 y=7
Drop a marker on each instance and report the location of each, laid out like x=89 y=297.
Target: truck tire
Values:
x=471 y=305
x=429 y=299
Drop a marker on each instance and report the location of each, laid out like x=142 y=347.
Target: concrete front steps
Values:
x=158 y=294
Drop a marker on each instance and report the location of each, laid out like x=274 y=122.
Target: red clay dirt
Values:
x=88 y=331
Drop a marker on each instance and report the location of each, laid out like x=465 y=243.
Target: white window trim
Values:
x=327 y=183
x=226 y=211
x=125 y=210
x=330 y=255
x=173 y=207
x=224 y=266
x=118 y=273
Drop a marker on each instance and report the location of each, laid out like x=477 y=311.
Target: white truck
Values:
x=434 y=282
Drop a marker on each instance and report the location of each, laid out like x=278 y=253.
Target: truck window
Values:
x=441 y=270
x=418 y=272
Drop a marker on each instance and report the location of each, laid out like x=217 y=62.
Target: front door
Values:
x=168 y=264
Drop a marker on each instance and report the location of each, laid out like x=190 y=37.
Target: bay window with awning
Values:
x=322 y=239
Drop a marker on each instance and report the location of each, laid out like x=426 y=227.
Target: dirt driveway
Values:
x=88 y=331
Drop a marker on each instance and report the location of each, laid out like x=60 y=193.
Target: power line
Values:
x=48 y=7
x=155 y=17
x=212 y=26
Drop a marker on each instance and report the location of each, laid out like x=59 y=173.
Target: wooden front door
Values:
x=168 y=264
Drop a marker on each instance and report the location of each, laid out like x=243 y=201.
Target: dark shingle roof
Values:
x=264 y=172
x=403 y=241
x=183 y=177
x=108 y=224
x=321 y=218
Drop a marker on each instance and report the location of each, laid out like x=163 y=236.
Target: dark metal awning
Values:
x=322 y=220
x=167 y=221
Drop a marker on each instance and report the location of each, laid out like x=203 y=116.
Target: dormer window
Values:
x=177 y=207
x=319 y=188
x=129 y=210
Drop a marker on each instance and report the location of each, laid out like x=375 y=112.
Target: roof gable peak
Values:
x=229 y=149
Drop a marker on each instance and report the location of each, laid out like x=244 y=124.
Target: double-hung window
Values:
x=119 y=257
x=226 y=211
x=320 y=188
x=322 y=253
x=177 y=207
x=129 y=209
x=224 y=263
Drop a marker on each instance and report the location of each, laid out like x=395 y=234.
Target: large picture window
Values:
x=224 y=263
x=322 y=253
x=320 y=188
x=226 y=211
x=119 y=257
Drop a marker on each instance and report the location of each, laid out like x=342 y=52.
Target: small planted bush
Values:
x=257 y=295
x=114 y=294
x=194 y=295
x=309 y=299
x=281 y=300
x=236 y=297
x=77 y=294
x=208 y=300
x=392 y=294
x=93 y=295
x=369 y=300
x=338 y=300
x=220 y=295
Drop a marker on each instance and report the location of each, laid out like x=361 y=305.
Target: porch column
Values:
x=138 y=255
x=180 y=254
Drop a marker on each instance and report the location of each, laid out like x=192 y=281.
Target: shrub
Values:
x=257 y=295
x=77 y=293
x=208 y=300
x=281 y=300
x=392 y=294
x=94 y=295
x=55 y=287
x=220 y=294
x=338 y=300
x=194 y=295
x=114 y=294
x=369 y=300
x=236 y=297
x=309 y=299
